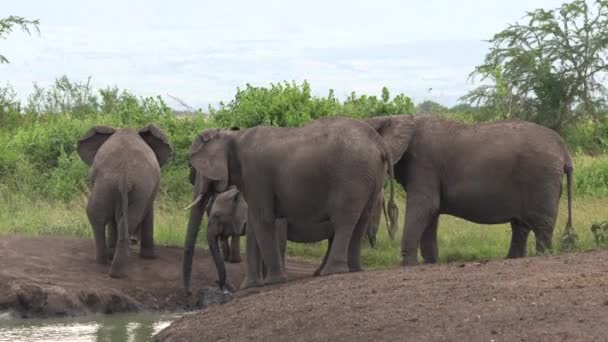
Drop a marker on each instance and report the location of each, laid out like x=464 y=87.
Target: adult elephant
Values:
x=124 y=177
x=326 y=173
x=489 y=173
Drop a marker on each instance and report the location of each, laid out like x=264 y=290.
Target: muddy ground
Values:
x=57 y=276
x=556 y=298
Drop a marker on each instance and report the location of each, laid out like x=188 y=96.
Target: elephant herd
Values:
x=324 y=181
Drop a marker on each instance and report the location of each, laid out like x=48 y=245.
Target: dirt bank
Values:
x=57 y=276
x=561 y=298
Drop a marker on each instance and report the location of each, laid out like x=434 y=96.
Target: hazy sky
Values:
x=202 y=50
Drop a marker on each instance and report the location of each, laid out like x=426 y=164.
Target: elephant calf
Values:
x=124 y=178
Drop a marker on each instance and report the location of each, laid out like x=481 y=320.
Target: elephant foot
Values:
x=277 y=279
x=102 y=259
x=317 y=272
x=249 y=283
x=409 y=262
x=356 y=269
x=430 y=261
x=147 y=254
x=334 y=269
x=118 y=272
x=235 y=260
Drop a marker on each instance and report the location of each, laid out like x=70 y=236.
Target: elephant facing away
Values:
x=124 y=177
x=489 y=173
x=324 y=174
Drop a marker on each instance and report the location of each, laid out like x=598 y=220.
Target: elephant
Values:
x=227 y=213
x=322 y=178
x=489 y=173
x=124 y=178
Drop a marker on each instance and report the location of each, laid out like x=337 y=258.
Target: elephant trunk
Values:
x=214 y=247
x=194 y=225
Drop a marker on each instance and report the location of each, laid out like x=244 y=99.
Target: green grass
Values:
x=459 y=240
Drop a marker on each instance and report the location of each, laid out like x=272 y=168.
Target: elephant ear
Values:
x=156 y=139
x=91 y=141
x=396 y=131
x=209 y=156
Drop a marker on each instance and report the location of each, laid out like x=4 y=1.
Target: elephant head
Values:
x=210 y=162
x=95 y=137
x=227 y=217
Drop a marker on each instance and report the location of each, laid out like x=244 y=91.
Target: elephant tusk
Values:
x=198 y=199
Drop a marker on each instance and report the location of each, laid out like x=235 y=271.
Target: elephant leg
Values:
x=519 y=240
x=543 y=232
x=134 y=216
x=146 y=231
x=345 y=224
x=254 y=276
x=263 y=224
x=225 y=248
x=318 y=271
x=99 y=233
x=119 y=262
x=420 y=212
x=112 y=237
x=354 y=247
x=235 y=249
x=428 y=242
x=281 y=226
x=98 y=224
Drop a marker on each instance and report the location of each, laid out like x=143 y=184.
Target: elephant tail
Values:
x=392 y=208
x=569 y=170
x=391 y=233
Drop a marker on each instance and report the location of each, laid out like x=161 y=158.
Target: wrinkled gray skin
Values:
x=322 y=178
x=490 y=173
x=228 y=218
x=124 y=177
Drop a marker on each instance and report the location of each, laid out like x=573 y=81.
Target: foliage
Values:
x=430 y=107
x=549 y=69
x=600 y=233
x=7 y=25
x=38 y=143
x=291 y=105
x=366 y=106
x=282 y=104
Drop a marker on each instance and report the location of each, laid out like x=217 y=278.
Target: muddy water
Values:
x=107 y=328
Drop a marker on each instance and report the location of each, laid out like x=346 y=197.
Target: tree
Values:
x=430 y=107
x=7 y=25
x=549 y=69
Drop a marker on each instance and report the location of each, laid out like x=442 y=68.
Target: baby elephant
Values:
x=124 y=178
x=227 y=214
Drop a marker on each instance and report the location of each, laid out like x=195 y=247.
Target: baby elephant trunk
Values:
x=213 y=241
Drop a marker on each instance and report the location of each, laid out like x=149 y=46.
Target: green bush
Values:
x=38 y=148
